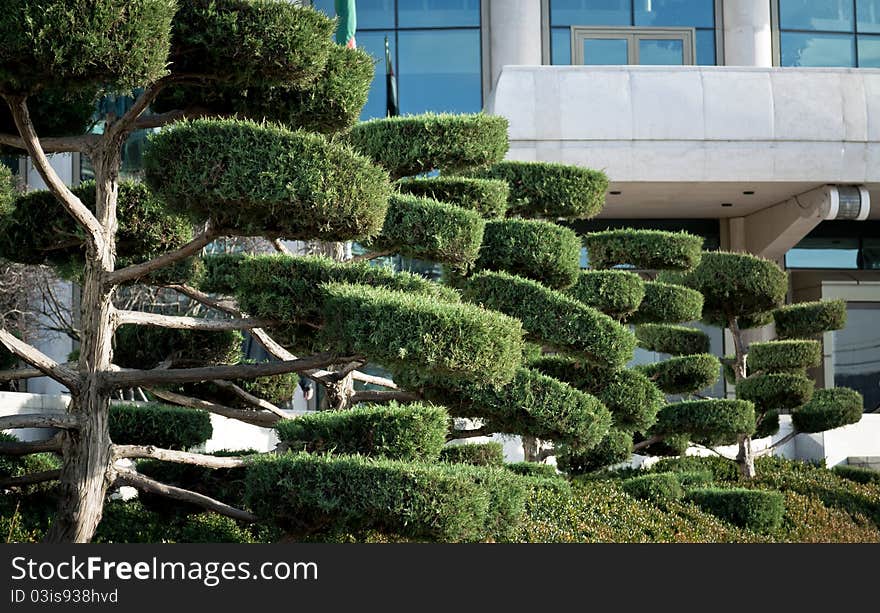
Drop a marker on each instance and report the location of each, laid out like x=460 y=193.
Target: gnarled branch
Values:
x=364 y=257
x=649 y=441
x=19 y=448
x=249 y=398
x=31 y=479
x=136 y=271
x=179 y=322
x=59 y=144
x=262 y=419
x=178 y=457
x=39 y=360
x=66 y=421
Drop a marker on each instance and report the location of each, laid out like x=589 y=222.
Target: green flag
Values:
x=345 y=28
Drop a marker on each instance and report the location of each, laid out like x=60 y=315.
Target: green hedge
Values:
x=531 y=404
x=550 y=190
x=857 y=474
x=829 y=409
x=695 y=478
x=431 y=230
x=79 y=44
x=397 y=328
x=552 y=318
x=414 y=144
x=715 y=419
x=305 y=493
x=669 y=304
x=291 y=288
x=616 y=293
x=220 y=273
x=645 y=249
x=400 y=432
x=145 y=347
x=244 y=42
x=736 y=284
x=8 y=193
x=266 y=180
x=162 y=425
x=781 y=356
x=768 y=424
x=654 y=487
x=485 y=196
x=614 y=448
x=809 y=319
x=685 y=374
x=674 y=340
x=477 y=454
x=533 y=469
x=537 y=250
x=776 y=390
x=630 y=396
x=757 y=510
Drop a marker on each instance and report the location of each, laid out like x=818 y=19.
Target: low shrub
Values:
x=533 y=469
x=654 y=487
x=757 y=510
x=694 y=478
x=476 y=454
x=857 y=474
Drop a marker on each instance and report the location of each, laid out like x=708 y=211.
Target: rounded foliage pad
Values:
x=617 y=293
x=477 y=454
x=829 y=409
x=147 y=346
x=758 y=510
x=553 y=318
x=616 y=447
x=644 y=249
x=487 y=197
x=668 y=304
x=674 y=340
x=550 y=190
x=162 y=425
x=414 y=144
x=262 y=180
x=718 y=419
x=686 y=374
x=776 y=356
x=809 y=319
x=776 y=390
x=539 y=250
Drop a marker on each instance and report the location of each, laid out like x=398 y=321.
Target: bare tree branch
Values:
x=40 y=360
x=227 y=305
x=178 y=457
x=369 y=256
x=179 y=322
x=31 y=479
x=118 y=131
x=250 y=398
x=386 y=396
x=18 y=448
x=60 y=144
x=262 y=419
x=458 y=434
x=649 y=441
x=280 y=246
x=39 y=420
x=145 y=484
x=136 y=271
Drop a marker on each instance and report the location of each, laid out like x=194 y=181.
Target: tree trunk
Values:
x=746 y=457
x=86 y=470
x=531 y=449
x=338 y=396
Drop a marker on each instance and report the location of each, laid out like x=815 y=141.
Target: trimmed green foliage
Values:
x=721 y=469
x=14 y=466
x=162 y=425
x=695 y=478
x=714 y=419
x=645 y=249
x=133 y=522
x=277 y=389
x=54 y=112
x=683 y=375
x=557 y=485
x=477 y=454
x=78 y=44
x=431 y=230
x=531 y=404
x=666 y=303
x=266 y=180
x=809 y=319
x=414 y=144
x=399 y=329
x=250 y=41
x=776 y=390
x=672 y=445
x=768 y=424
x=305 y=493
x=7 y=190
x=413 y=432
x=147 y=346
x=485 y=196
x=756 y=320
x=549 y=189
x=674 y=340
x=654 y=487
x=757 y=510
x=617 y=293
x=220 y=273
x=616 y=447
x=36 y=229
x=533 y=469
x=291 y=288
x=537 y=250
x=331 y=103
x=630 y=396
x=829 y=409
x=857 y=474
x=736 y=285
x=781 y=356
x=553 y=318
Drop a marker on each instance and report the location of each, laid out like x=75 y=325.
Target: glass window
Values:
x=689 y=13
x=706 y=48
x=869 y=51
x=871 y=253
x=659 y=52
x=374 y=44
x=439 y=70
x=370 y=13
x=560 y=46
x=824 y=253
x=868 y=15
x=591 y=12
x=437 y=13
x=11 y=162
x=803 y=49
x=605 y=51
x=825 y=15
x=857 y=352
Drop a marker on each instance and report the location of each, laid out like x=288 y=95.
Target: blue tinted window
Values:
x=869 y=51
x=826 y=15
x=605 y=51
x=660 y=52
x=868 y=15
x=824 y=253
x=439 y=70
x=678 y=13
x=803 y=49
x=560 y=46
x=591 y=12
x=705 y=48
x=374 y=44
x=437 y=13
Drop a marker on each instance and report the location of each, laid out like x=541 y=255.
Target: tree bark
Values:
x=531 y=449
x=745 y=459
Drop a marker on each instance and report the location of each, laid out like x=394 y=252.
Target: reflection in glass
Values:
x=824 y=253
x=689 y=13
x=436 y=13
x=591 y=12
x=828 y=15
x=560 y=46
x=374 y=44
x=705 y=44
x=871 y=253
x=439 y=71
x=869 y=51
x=857 y=352
x=605 y=51
x=660 y=52
x=801 y=49
x=868 y=15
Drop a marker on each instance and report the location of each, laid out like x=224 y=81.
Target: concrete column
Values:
x=747 y=37
x=514 y=34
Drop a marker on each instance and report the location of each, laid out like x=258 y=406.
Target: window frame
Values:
x=776 y=35
x=633 y=35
